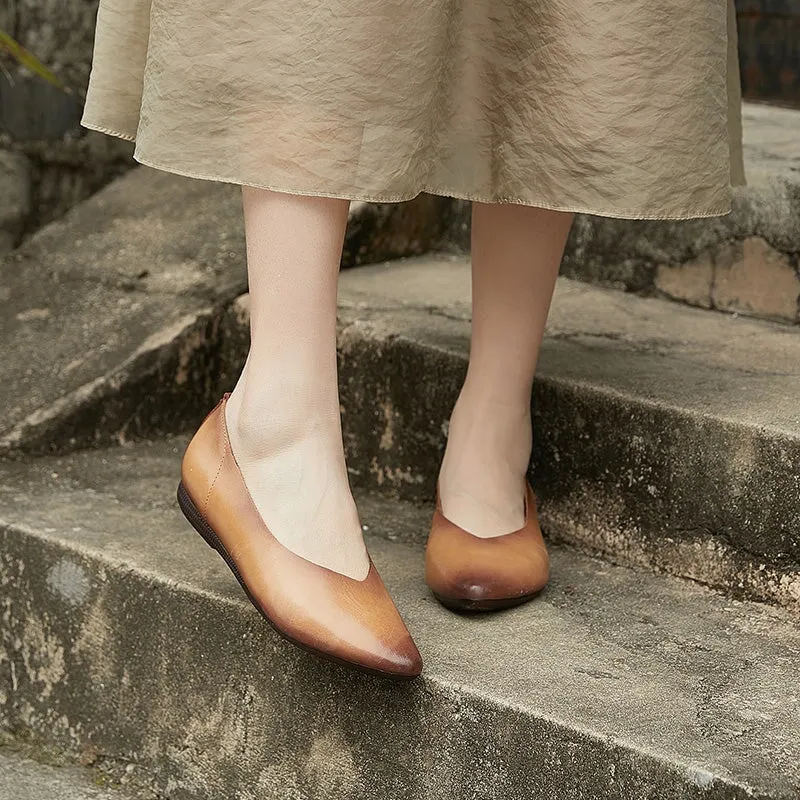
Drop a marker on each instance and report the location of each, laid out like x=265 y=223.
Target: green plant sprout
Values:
x=28 y=60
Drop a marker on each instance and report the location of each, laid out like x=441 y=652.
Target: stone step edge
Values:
x=173 y=363
x=131 y=401
x=376 y=362
x=46 y=773
x=380 y=413
x=605 y=770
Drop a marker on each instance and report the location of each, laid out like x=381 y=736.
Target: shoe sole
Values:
x=465 y=605
x=199 y=523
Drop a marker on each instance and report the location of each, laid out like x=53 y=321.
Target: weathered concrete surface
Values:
x=67 y=164
x=15 y=198
x=111 y=312
x=382 y=231
x=22 y=778
x=69 y=170
x=122 y=630
x=114 y=310
x=663 y=436
x=746 y=261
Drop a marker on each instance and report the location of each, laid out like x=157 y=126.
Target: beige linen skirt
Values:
x=623 y=108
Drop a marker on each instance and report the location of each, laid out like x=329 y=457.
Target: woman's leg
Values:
x=516 y=253
x=283 y=416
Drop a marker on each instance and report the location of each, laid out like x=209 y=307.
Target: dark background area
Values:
x=769 y=50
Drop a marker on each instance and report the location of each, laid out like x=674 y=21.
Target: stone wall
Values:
x=746 y=262
x=47 y=162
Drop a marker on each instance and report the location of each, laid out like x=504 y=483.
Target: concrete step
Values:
x=114 y=309
x=23 y=777
x=124 y=632
x=664 y=436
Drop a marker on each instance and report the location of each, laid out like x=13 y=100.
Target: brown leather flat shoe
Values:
x=333 y=615
x=469 y=573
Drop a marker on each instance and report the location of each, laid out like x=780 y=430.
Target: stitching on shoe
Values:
x=219 y=469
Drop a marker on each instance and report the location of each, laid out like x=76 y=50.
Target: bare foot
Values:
x=292 y=462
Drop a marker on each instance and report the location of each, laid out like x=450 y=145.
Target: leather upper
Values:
x=462 y=566
x=355 y=621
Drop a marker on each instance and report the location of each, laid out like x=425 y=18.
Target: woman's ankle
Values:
x=265 y=426
x=492 y=427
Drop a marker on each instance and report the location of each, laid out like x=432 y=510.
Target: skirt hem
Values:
x=401 y=198
x=110 y=131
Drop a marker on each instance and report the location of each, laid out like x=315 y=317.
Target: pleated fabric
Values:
x=622 y=108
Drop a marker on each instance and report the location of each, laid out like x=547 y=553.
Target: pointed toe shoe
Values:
x=470 y=573
x=346 y=620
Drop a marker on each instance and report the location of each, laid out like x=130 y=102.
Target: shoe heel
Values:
x=195 y=518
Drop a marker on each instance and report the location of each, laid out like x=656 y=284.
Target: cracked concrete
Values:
x=614 y=685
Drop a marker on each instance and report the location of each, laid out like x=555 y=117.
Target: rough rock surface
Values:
x=746 y=261
x=120 y=292
x=23 y=778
